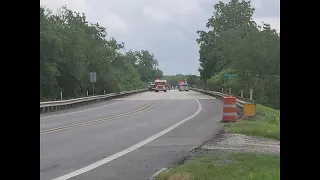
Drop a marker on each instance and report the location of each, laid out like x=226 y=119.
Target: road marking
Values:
x=47 y=131
x=128 y=150
x=79 y=111
x=157 y=173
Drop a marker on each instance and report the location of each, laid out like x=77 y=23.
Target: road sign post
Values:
x=229 y=76
x=93 y=79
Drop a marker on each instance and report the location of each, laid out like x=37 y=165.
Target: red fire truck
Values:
x=160 y=85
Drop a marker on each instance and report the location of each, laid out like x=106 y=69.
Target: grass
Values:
x=235 y=166
x=265 y=124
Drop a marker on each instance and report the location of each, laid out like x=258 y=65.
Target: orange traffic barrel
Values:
x=229 y=108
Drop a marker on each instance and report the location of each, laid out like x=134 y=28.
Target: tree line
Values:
x=71 y=48
x=192 y=80
x=235 y=44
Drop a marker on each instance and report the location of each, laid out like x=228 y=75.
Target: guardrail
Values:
x=240 y=103
x=214 y=93
x=49 y=106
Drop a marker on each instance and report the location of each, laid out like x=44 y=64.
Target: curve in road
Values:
x=132 y=147
x=128 y=150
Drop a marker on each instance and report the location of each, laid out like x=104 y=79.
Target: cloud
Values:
x=114 y=23
x=165 y=27
x=156 y=14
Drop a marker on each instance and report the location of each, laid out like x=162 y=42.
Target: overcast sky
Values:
x=167 y=28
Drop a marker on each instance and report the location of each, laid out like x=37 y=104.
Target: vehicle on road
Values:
x=152 y=87
x=160 y=85
x=183 y=87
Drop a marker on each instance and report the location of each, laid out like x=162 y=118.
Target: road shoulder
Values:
x=235 y=156
x=231 y=156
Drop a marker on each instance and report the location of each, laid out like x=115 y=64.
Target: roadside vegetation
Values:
x=235 y=44
x=265 y=124
x=71 y=48
x=228 y=166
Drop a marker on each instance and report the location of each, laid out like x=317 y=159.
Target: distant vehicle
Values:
x=183 y=87
x=160 y=85
x=152 y=87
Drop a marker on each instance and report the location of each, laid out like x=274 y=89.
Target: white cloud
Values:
x=177 y=7
x=257 y=4
x=114 y=23
x=172 y=10
x=175 y=35
x=185 y=7
x=157 y=14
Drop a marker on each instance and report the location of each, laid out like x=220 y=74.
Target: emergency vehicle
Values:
x=183 y=86
x=160 y=85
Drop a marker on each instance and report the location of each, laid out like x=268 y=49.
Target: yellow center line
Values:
x=47 y=131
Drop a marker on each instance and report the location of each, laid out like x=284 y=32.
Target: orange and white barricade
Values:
x=229 y=109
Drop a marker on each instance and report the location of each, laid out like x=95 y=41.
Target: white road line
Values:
x=128 y=150
x=157 y=173
x=79 y=111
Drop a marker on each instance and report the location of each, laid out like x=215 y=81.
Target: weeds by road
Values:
x=226 y=166
x=265 y=124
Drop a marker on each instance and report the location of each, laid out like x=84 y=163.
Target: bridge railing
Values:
x=64 y=104
x=240 y=102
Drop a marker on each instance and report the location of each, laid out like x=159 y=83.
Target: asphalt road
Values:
x=127 y=138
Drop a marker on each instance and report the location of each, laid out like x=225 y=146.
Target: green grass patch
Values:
x=265 y=124
x=235 y=166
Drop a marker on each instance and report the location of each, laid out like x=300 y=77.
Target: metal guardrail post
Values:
x=251 y=93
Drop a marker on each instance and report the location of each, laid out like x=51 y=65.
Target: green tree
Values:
x=71 y=48
x=235 y=44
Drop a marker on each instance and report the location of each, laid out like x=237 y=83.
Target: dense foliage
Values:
x=192 y=80
x=71 y=48
x=235 y=44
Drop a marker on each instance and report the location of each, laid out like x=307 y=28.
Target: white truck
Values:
x=183 y=87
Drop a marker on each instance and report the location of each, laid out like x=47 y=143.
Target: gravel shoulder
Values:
x=229 y=156
x=242 y=143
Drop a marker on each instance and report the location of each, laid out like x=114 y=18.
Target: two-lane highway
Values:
x=128 y=138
